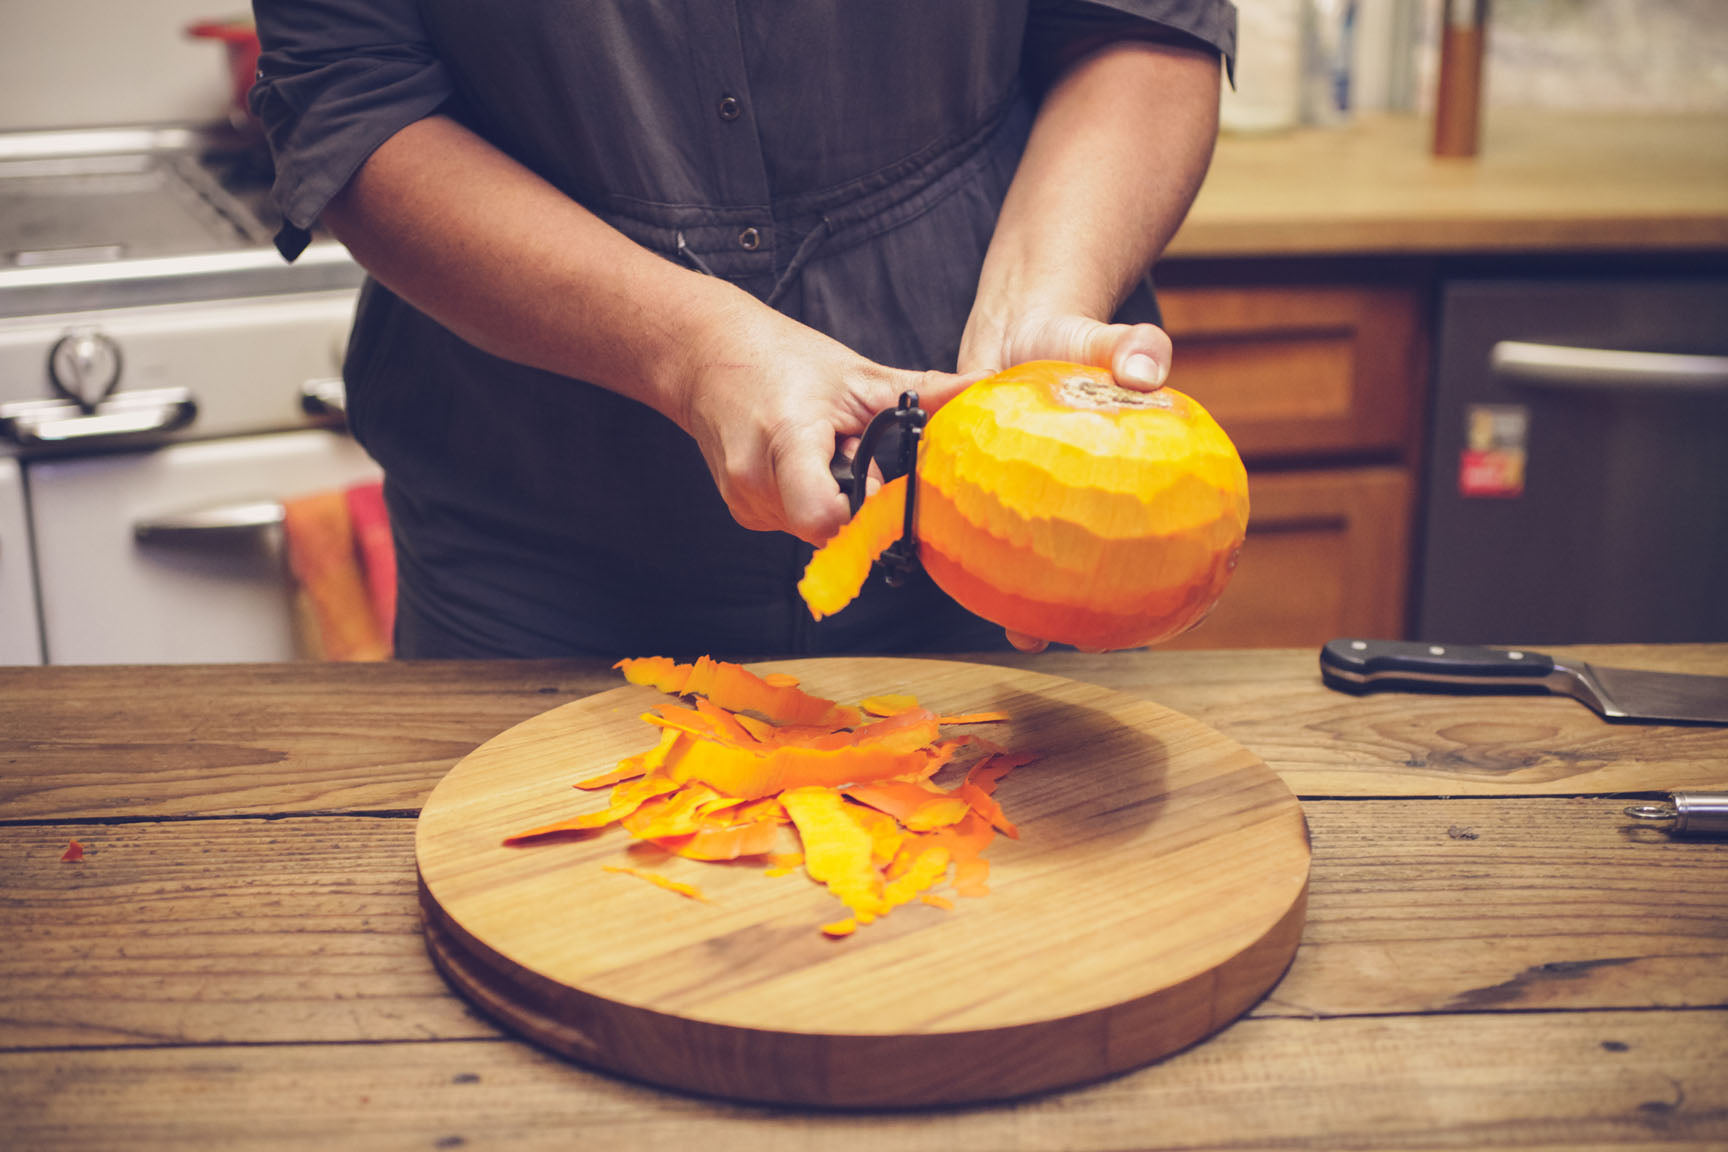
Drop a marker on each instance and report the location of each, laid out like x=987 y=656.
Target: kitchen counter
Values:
x=1494 y=955
x=1545 y=182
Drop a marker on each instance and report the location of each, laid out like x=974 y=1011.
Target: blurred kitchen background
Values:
x=1299 y=60
x=1483 y=397
x=89 y=63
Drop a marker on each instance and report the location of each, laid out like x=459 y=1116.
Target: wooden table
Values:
x=1495 y=956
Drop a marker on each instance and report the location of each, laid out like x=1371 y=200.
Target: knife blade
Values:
x=1354 y=665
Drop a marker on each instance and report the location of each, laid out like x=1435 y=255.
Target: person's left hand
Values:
x=1138 y=356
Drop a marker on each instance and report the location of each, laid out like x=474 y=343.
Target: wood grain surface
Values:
x=117 y=743
x=211 y=932
x=1494 y=955
x=1155 y=892
x=1567 y=1083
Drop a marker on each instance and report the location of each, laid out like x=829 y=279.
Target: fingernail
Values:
x=1143 y=370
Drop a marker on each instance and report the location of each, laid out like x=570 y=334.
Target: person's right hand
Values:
x=768 y=400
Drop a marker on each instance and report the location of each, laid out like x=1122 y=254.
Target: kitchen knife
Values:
x=1615 y=693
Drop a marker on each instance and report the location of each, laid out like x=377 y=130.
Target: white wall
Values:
x=1601 y=55
x=1613 y=55
x=86 y=63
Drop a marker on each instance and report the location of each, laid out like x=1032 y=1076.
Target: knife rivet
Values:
x=1436 y=650
x=1514 y=655
x=1359 y=645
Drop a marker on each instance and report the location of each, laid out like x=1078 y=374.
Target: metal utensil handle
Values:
x=1688 y=813
x=1557 y=366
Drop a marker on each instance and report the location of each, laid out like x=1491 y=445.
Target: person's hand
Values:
x=768 y=400
x=1137 y=355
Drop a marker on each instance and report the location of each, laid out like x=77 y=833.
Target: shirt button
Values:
x=750 y=239
x=730 y=108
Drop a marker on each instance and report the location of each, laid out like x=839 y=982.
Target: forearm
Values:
x=1117 y=154
x=511 y=264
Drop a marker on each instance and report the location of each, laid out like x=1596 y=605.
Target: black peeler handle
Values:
x=891 y=440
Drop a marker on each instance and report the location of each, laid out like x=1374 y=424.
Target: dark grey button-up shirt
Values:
x=841 y=160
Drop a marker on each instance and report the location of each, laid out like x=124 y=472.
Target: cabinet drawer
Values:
x=1300 y=371
x=1327 y=555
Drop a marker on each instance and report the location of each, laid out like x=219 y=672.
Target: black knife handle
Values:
x=1352 y=665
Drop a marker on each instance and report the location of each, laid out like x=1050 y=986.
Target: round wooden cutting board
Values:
x=1156 y=892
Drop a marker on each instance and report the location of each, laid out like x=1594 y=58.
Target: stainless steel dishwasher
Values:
x=1577 y=474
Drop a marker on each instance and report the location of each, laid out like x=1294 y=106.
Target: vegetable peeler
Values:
x=891 y=440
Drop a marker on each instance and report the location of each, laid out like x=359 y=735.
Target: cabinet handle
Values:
x=209 y=523
x=1557 y=366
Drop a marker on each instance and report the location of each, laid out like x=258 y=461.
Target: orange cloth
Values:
x=333 y=579
x=377 y=550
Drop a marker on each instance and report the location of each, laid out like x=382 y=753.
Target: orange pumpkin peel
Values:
x=751 y=760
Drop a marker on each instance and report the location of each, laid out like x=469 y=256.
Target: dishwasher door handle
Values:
x=1563 y=368
x=211 y=523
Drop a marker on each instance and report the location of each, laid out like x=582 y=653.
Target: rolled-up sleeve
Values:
x=336 y=80
x=1055 y=25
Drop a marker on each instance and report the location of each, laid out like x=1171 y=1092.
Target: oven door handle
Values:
x=325 y=398
x=48 y=423
x=214 y=522
x=1557 y=366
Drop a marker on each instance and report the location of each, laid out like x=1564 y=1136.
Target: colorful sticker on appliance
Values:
x=1492 y=463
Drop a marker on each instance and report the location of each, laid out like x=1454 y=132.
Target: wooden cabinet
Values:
x=1320 y=385
x=1327 y=555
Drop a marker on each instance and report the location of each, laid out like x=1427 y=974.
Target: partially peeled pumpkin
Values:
x=1058 y=504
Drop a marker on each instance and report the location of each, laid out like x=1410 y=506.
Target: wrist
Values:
x=700 y=319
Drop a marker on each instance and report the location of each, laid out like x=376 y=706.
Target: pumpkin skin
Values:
x=1058 y=504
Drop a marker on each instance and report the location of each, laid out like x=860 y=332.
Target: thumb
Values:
x=1138 y=355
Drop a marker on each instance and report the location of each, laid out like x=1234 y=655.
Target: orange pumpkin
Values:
x=1056 y=503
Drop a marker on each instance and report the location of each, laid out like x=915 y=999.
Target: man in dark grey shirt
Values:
x=637 y=267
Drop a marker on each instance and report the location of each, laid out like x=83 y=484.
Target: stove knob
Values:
x=84 y=366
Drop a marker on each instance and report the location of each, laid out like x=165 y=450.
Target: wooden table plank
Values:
x=1570 y=1080
x=1487 y=904
x=267 y=739
x=244 y=931
x=116 y=742
x=1327 y=743
x=306 y=929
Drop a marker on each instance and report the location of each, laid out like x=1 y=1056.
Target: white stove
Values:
x=166 y=381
